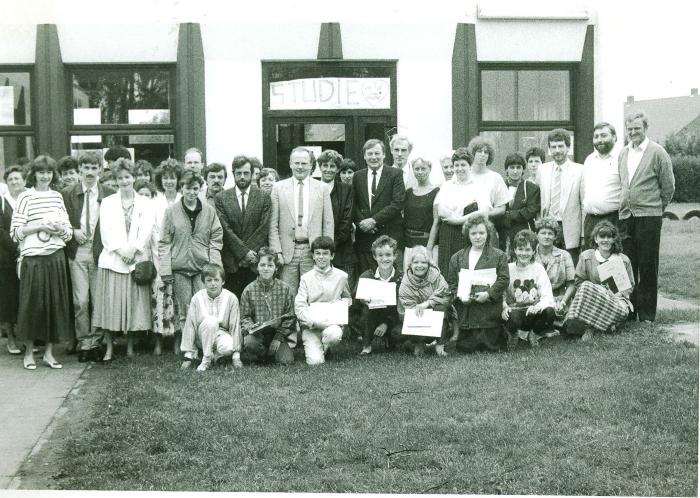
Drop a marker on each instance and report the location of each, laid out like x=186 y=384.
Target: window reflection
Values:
x=507 y=142
x=152 y=148
x=15 y=99
x=15 y=150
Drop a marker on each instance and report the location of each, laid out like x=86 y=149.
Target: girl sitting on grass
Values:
x=528 y=304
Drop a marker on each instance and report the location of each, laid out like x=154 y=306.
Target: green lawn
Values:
x=679 y=260
x=615 y=416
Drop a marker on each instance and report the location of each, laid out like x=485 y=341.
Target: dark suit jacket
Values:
x=74 y=198
x=341 y=200
x=521 y=216
x=8 y=248
x=242 y=235
x=386 y=207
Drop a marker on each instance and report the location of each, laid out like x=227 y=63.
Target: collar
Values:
x=306 y=181
x=213 y=299
x=239 y=191
x=378 y=170
x=643 y=146
x=266 y=286
x=512 y=183
x=198 y=207
x=379 y=277
x=563 y=166
x=324 y=272
x=599 y=257
x=94 y=189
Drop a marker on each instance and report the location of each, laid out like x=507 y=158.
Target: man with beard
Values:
x=244 y=212
x=82 y=202
x=648 y=185
x=215 y=177
x=561 y=191
x=601 y=181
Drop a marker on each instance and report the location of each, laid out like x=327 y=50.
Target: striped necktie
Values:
x=556 y=193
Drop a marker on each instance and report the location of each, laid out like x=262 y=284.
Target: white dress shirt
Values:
x=369 y=182
x=307 y=195
x=243 y=203
x=602 y=186
x=94 y=211
x=634 y=156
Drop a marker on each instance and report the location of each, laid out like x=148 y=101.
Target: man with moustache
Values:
x=215 y=177
x=601 y=181
x=83 y=206
x=648 y=185
x=378 y=194
x=301 y=212
x=244 y=212
x=561 y=191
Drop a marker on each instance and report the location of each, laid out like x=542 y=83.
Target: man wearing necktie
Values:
x=244 y=212
x=83 y=206
x=561 y=192
x=378 y=194
x=301 y=211
x=648 y=185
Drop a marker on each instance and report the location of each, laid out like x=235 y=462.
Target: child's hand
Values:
x=381 y=330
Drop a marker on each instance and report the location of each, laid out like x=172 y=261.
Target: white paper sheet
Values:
x=468 y=278
x=614 y=274
x=379 y=294
x=429 y=325
x=332 y=313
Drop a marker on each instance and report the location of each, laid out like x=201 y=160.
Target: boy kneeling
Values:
x=268 y=300
x=212 y=322
x=382 y=322
x=323 y=284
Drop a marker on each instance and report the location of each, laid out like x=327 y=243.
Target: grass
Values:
x=679 y=260
x=615 y=416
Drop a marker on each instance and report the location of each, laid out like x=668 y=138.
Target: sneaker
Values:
x=419 y=349
x=440 y=350
x=533 y=339
x=203 y=367
x=237 y=363
x=366 y=350
x=551 y=333
x=186 y=364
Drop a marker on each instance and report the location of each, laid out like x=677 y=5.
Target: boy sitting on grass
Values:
x=268 y=299
x=378 y=321
x=323 y=284
x=212 y=322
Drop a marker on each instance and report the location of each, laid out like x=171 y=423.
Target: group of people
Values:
x=241 y=273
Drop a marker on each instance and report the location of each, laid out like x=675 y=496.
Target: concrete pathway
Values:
x=30 y=401
x=681 y=332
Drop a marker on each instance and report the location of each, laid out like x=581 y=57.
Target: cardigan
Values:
x=186 y=250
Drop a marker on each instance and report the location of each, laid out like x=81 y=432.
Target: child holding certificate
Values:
x=381 y=321
x=528 y=304
x=422 y=288
x=599 y=306
x=323 y=284
x=267 y=314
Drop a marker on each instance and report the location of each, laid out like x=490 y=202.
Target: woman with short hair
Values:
x=41 y=226
x=418 y=210
x=123 y=305
x=596 y=307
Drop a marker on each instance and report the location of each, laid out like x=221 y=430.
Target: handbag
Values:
x=144 y=273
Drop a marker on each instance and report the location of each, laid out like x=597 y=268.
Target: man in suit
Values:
x=214 y=179
x=561 y=191
x=82 y=202
x=646 y=175
x=301 y=211
x=378 y=194
x=244 y=212
x=601 y=181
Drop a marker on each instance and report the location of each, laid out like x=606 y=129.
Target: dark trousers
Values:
x=256 y=346
x=536 y=322
x=236 y=282
x=641 y=238
x=559 y=242
x=371 y=319
x=591 y=220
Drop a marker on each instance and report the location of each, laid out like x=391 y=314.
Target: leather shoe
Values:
x=95 y=355
x=84 y=356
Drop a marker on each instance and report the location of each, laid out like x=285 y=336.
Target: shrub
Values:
x=686 y=169
x=683 y=143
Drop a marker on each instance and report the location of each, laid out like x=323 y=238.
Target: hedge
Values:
x=686 y=169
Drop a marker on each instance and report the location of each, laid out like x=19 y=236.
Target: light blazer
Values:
x=115 y=236
x=283 y=217
x=243 y=234
x=570 y=200
x=652 y=185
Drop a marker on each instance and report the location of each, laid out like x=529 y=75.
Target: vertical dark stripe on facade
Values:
x=190 y=104
x=330 y=42
x=52 y=111
x=585 y=98
x=465 y=88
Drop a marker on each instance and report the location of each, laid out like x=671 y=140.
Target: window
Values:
x=130 y=106
x=521 y=103
x=16 y=124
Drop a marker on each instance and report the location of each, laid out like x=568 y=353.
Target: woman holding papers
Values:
x=457 y=199
x=424 y=288
x=528 y=304
x=479 y=307
x=603 y=293
x=558 y=265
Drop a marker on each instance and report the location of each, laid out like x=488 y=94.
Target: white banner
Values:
x=7 y=105
x=331 y=93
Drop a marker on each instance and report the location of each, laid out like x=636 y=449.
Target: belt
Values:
x=305 y=241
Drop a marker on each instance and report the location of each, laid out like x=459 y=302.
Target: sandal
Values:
x=13 y=350
x=29 y=365
x=51 y=364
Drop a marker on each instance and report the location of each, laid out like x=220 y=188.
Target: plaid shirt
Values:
x=261 y=302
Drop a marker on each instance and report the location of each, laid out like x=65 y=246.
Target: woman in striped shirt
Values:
x=41 y=227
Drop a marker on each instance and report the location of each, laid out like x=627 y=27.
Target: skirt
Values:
x=9 y=295
x=597 y=307
x=165 y=319
x=450 y=240
x=45 y=312
x=121 y=305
